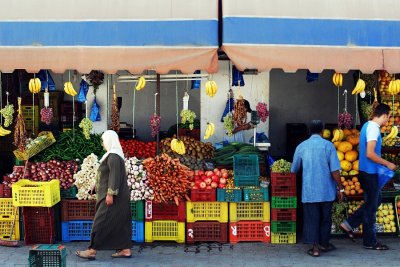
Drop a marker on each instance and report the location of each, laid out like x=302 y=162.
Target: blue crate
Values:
x=229 y=195
x=138 y=231
x=246 y=170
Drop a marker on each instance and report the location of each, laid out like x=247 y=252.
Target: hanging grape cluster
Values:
x=262 y=110
x=155 y=121
x=229 y=124
x=345 y=120
x=7 y=113
x=46 y=115
x=86 y=125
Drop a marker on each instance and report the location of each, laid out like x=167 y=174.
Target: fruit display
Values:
x=155 y=121
x=224 y=156
x=345 y=120
x=351 y=186
x=337 y=79
x=281 y=166
x=338 y=215
x=139 y=149
x=391 y=138
x=69 y=89
x=229 y=125
x=191 y=162
x=193 y=147
x=394 y=107
x=188 y=116
x=346 y=142
x=140 y=84
x=384 y=80
x=353 y=206
x=7 y=113
x=386 y=218
x=262 y=110
x=394 y=120
x=137 y=180
x=46 y=115
x=210 y=179
x=4 y=132
x=85 y=179
x=211 y=88
x=35 y=85
x=209 y=130
x=86 y=125
x=360 y=87
x=398 y=211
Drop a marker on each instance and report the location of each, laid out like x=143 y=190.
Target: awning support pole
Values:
x=158 y=110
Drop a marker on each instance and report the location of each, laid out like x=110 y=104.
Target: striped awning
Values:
x=109 y=35
x=313 y=34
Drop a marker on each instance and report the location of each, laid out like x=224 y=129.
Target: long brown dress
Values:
x=112 y=226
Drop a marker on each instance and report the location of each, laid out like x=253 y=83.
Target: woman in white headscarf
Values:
x=112 y=226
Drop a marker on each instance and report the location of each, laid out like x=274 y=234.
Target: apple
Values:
x=218 y=173
x=225 y=175
x=208 y=181
x=209 y=187
x=214 y=185
x=224 y=170
x=196 y=177
x=203 y=177
x=209 y=173
x=216 y=170
x=203 y=185
x=215 y=178
x=195 y=187
x=222 y=181
x=200 y=172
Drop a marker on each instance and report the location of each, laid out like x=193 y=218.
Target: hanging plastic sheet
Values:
x=95 y=112
x=237 y=77
x=196 y=84
x=46 y=80
x=312 y=77
x=83 y=90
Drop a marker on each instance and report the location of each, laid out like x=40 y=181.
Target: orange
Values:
x=342 y=179
x=357 y=188
x=352 y=186
x=357 y=183
x=354 y=179
x=346 y=192
x=344 y=183
x=352 y=192
x=350 y=183
x=360 y=191
x=347 y=187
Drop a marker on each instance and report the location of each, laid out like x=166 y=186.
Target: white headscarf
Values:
x=111 y=144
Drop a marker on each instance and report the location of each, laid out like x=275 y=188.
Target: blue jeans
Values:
x=366 y=215
x=317 y=223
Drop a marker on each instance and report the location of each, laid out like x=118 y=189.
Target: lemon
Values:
x=385 y=212
x=393 y=229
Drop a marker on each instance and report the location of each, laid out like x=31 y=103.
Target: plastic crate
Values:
x=5 y=191
x=138 y=231
x=249 y=211
x=26 y=193
x=165 y=211
x=283 y=179
x=137 y=210
x=229 y=195
x=5 y=229
x=246 y=170
x=283 y=227
x=283 y=214
x=69 y=193
x=203 y=195
x=76 y=230
x=206 y=232
x=48 y=255
x=29 y=119
x=7 y=209
x=165 y=230
x=80 y=210
x=249 y=231
x=284 y=202
x=283 y=238
x=38 y=225
x=207 y=211
x=258 y=194
x=283 y=191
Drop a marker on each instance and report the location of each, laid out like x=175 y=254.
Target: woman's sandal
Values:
x=349 y=233
x=118 y=254
x=378 y=246
x=313 y=253
x=84 y=255
x=330 y=247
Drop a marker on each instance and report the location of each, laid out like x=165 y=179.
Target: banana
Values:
x=208 y=88
x=214 y=87
x=69 y=89
x=337 y=79
x=31 y=85
x=66 y=89
x=173 y=145
x=336 y=135
x=360 y=86
x=4 y=132
x=35 y=85
x=208 y=131
x=211 y=88
x=397 y=86
x=393 y=133
x=341 y=137
x=141 y=83
x=212 y=128
x=182 y=148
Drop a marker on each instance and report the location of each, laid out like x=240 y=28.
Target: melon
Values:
x=345 y=165
x=345 y=146
x=355 y=165
x=351 y=155
x=340 y=155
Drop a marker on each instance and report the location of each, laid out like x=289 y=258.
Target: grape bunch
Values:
x=345 y=120
x=155 y=124
x=46 y=115
x=281 y=166
x=262 y=111
x=7 y=113
x=228 y=124
x=188 y=116
x=86 y=125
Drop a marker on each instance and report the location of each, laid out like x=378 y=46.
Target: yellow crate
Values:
x=7 y=209
x=165 y=231
x=207 y=211
x=5 y=230
x=29 y=119
x=26 y=193
x=249 y=211
x=283 y=238
x=44 y=140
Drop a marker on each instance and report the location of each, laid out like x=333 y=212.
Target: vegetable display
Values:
x=7 y=113
x=155 y=121
x=210 y=179
x=169 y=179
x=262 y=110
x=194 y=148
x=85 y=179
x=139 y=149
x=281 y=166
x=71 y=146
x=224 y=155
x=137 y=180
x=86 y=125
x=46 y=115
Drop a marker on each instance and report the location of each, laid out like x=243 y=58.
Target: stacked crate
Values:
x=165 y=221
x=7 y=214
x=249 y=218
x=207 y=220
x=284 y=203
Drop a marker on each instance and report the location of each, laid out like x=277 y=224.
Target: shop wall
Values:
x=256 y=88
x=294 y=100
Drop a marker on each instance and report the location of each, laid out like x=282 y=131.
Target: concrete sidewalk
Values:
x=243 y=254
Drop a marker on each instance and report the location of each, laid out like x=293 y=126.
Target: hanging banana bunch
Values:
x=178 y=146
x=360 y=86
x=209 y=130
x=69 y=89
x=337 y=79
x=211 y=88
x=394 y=87
x=35 y=85
x=141 y=83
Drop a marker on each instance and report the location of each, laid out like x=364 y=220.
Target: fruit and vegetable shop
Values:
x=219 y=107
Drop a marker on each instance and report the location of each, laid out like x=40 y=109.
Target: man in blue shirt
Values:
x=370 y=158
x=321 y=181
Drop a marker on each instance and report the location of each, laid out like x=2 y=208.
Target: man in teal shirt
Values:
x=320 y=186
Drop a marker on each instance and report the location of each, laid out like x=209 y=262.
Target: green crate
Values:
x=48 y=255
x=283 y=227
x=246 y=170
x=229 y=195
x=284 y=202
x=69 y=193
x=137 y=210
x=255 y=194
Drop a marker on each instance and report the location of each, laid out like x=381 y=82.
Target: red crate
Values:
x=283 y=179
x=283 y=191
x=203 y=195
x=77 y=210
x=39 y=226
x=5 y=191
x=165 y=211
x=283 y=215
x=206 y=232
x=249 y=231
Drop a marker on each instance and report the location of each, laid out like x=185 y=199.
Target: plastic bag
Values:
x=260 y=138
x=44 y=76
x=83 y=90
x=312 y=77
x=384 y=175
x=95 y=111
x=196 y=83
x=237 y=77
